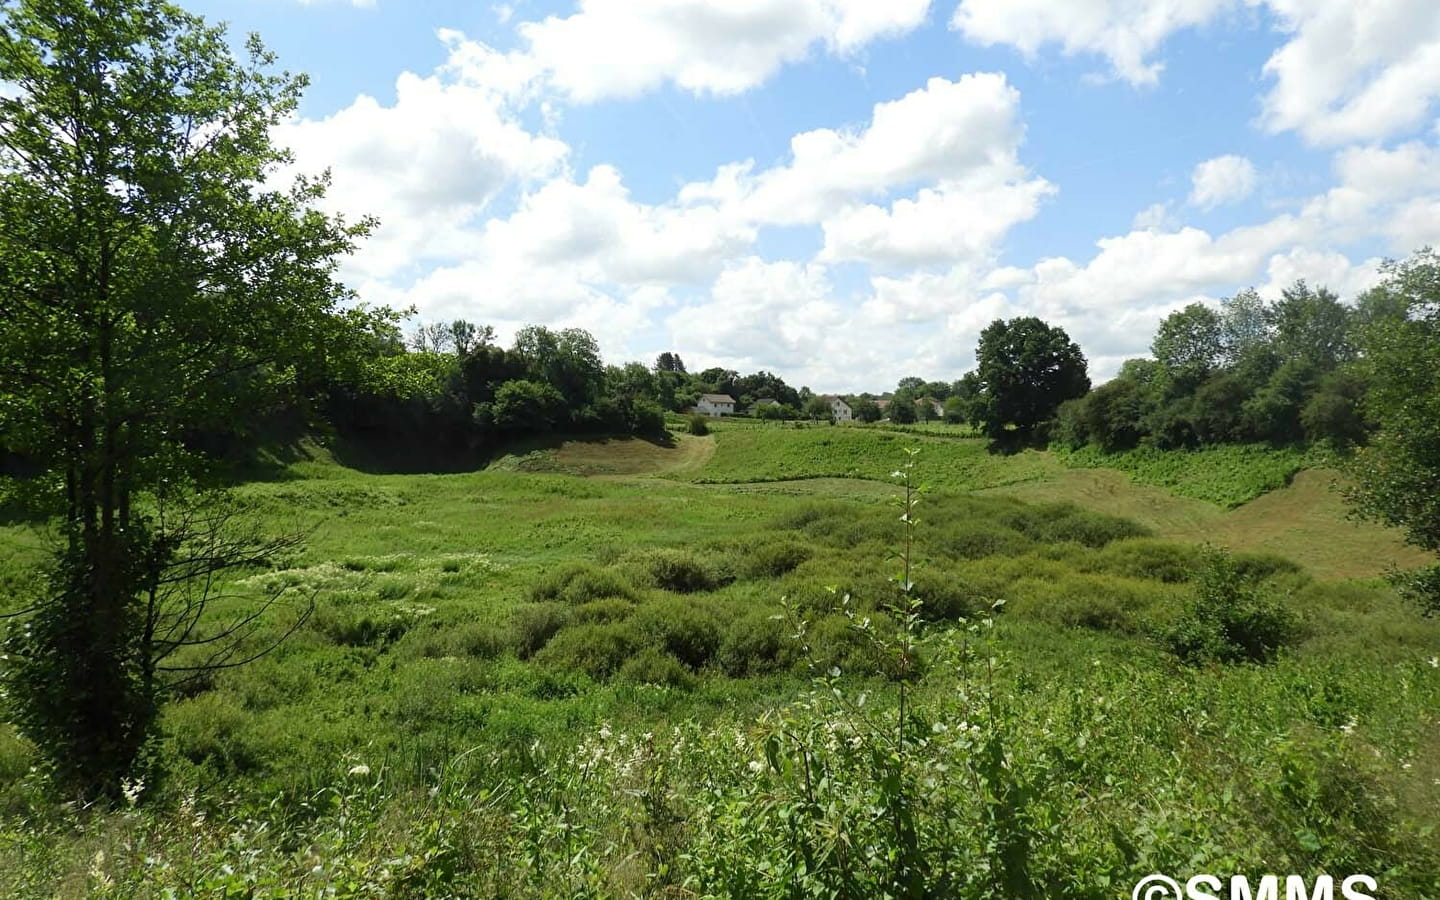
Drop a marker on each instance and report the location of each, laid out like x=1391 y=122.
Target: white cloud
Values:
x=1126 y=32
x=621 y=48
x=1155 y=217
x=1348 y=71
x=426 y=165
x=957 y=220
x=948 y=130
x=1224 y=179
x=1353 y=71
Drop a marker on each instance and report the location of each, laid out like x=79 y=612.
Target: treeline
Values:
x=1281 y=371
x=454 y=388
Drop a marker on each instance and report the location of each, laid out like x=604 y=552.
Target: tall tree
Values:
x=1026 y=370
x=1189 y=344
x=151 y=284
x=1398 y=474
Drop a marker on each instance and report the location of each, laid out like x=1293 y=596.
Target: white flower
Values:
x=361 y=770
x=605 y=732
x=756 y=766
x=1434 y=662
x=1348 y=728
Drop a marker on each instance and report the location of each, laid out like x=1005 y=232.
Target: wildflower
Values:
x=132 y=791
x=1434 y=662
x=605 y=732
x=756 y=766
x=939 y=728
x=1348 y=727
x=361 y=770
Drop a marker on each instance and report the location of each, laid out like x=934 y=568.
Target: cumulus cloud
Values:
x=1348 y=71
x=1126 y=32
x=1224 y=179
x=621 y=48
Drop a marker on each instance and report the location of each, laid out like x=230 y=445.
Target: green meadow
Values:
x=617 y=668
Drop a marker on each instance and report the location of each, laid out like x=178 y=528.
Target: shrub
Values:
x=974 y=540
x=653 y=666
x=771 y=559
x=755 y=644
x=698 y=426
x=1146 y=558
x=611 y=609
x=689 y=631
x=1052 y=523
x=1231 y=618
x=206 y=729
x=597 y=650
x=533 y=626
x=675 y=570
x=1421 y=587
x=580 y=582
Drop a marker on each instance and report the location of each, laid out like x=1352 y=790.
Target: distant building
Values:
x=839 y=410
x=935 y=405
x=765 y=401
x=715 y=405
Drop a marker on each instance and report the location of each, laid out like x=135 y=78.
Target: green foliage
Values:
x=697 y=425
x=157 y=288
x=1026 y=369
x=596 y=650
x=1397 y=474
x=1232 y=618
x=581 y=582
x=1227 y=475
x=674 y=570
x=653 y=666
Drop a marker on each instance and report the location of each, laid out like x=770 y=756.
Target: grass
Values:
x=588 y=686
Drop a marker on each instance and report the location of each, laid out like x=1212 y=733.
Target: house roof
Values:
x=718 y=398
x=831 y=398
x=766 y=401
x=882 y=403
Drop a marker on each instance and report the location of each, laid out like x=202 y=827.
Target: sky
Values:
x=845 y=192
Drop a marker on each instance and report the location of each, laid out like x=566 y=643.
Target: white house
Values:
x=716 y=405
x=839 y=409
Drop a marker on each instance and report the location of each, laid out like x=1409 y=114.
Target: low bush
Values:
x=755 y=644
x=581 y=582
x=1055 y=522
x=611 y=609
x=1232 y=618
x=654 y=666
x=680 y=571
x=771 y=558
x=1148 y=558
x=206 y=731
x=688 y=631
x=597 y=650
x=534 y=625
x=697 y=425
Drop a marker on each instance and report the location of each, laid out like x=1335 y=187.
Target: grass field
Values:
x=605 y=669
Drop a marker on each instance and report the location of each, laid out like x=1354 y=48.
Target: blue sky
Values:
x=847 y=191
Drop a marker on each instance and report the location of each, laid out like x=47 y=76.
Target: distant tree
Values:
x=957 y=410
x=1333 y=414
x=1312 y=326
x=567 y=360
x=940 y=390
x=913 y=384
x=1026 y=370
x=1396 y=475
x=527 y=406
x=865 y=410
x=1189 y=345
x=902 y=409
x=432 y=337
x=1248 y=330
x=466 y=336
x=670 y=362
x=817 y=408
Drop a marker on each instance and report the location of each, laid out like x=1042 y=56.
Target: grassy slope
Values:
x=407 y=664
